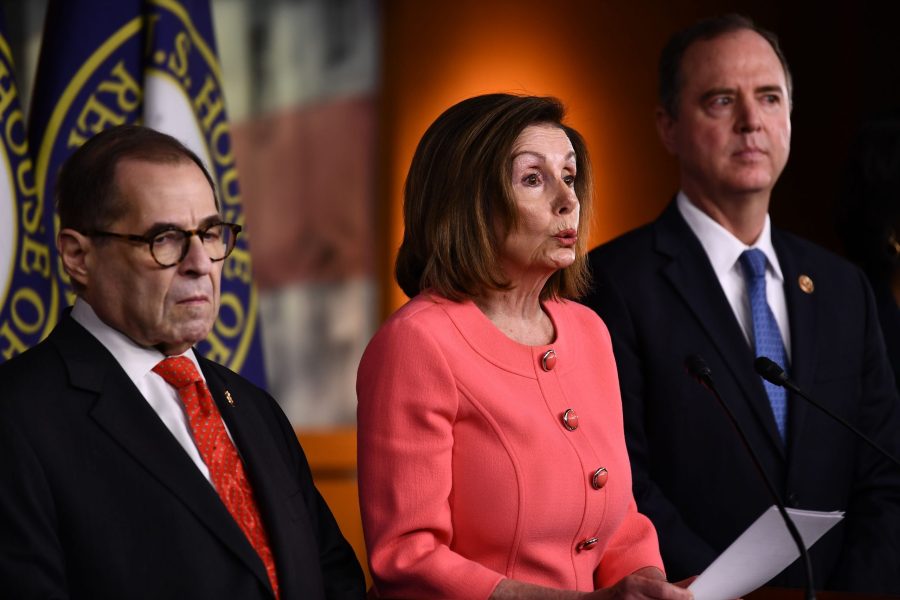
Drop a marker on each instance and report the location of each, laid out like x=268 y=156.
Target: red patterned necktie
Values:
x=225 y=467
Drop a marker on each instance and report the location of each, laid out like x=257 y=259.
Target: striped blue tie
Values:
x=765 y=330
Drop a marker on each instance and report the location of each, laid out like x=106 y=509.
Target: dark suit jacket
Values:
x=98 y=500
x=889 y=313
x=658 y=294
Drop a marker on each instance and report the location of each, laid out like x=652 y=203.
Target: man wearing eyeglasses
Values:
x=130 y=466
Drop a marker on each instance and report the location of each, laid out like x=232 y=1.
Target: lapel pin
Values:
x=229 y=398
x=806 y=284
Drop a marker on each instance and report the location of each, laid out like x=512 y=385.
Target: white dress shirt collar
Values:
x=136 y=360
x=721 y=246
x=723 y=250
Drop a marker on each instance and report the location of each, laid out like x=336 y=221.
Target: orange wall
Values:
x=599 y=57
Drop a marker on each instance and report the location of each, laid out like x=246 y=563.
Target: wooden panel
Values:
x=332 y=457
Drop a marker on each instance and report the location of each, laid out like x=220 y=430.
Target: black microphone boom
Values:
x=699 y=370
x=769 y=370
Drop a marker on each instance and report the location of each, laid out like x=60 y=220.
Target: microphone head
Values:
x=697 y=368
x=769 y=370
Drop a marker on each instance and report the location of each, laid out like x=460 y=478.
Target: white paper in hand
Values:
x=760 y=553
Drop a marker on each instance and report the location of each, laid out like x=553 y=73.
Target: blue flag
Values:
x=108 y=62
x=28 y=299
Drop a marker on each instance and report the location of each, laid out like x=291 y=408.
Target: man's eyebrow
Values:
x=210 y=220
x=164 y=225
x=727 y=91
x=719 y=91
x=769 y=89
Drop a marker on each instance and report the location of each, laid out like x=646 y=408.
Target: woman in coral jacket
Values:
x=492 y=459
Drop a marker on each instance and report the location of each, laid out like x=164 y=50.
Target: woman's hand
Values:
x=646 y=583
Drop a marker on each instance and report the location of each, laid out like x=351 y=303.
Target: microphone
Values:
x=769 y=370
x=699 y=370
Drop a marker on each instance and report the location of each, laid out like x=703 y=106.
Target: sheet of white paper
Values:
x=760 y=553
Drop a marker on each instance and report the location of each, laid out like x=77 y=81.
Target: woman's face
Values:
x=543 y=172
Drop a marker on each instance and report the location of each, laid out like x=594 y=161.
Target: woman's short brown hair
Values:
x=458 y=202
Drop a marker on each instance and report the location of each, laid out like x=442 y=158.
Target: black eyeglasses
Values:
x=169 y=246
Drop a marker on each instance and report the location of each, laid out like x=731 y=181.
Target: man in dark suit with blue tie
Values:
x=130 y=466
x=712 y=277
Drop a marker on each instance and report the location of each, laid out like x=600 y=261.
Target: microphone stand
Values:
x=699 y=370
x=769 y=370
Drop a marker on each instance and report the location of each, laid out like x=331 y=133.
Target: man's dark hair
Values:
x=670 y=75
x=86 y=195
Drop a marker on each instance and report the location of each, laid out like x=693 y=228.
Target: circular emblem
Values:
x=157 y=68
x=28 y=304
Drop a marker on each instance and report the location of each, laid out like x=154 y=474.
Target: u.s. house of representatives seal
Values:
x=159 y=70
x=28 y=297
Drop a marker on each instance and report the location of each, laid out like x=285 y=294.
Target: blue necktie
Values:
x=765 y=330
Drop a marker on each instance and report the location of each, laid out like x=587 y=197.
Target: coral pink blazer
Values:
x=472 y=470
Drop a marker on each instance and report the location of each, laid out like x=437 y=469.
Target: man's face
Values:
x=167 y=308
x=732 y=132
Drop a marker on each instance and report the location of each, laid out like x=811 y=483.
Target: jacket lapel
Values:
x=271 y=482
x=691 y=275
x=802 y=312
x=126 y=417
